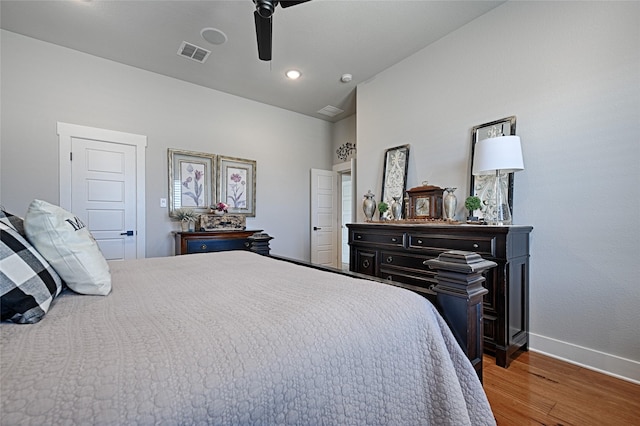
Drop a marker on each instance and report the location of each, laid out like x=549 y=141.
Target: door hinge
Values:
x=71 y=156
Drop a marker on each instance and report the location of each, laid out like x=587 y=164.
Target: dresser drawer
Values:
x=424 y=283
x=405 y=261
x=483 y=245
x=364 y=262
x=392 y=239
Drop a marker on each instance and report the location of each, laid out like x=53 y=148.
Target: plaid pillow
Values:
x=28 y=284
x=12 y=221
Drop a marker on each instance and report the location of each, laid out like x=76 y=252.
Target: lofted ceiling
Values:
x=324 y=39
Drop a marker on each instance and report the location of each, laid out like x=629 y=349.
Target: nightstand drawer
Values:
x=205 y=246
x=383 y=238
x=205 y=242
x=479 y=244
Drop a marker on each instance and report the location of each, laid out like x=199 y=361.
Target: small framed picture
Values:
x=237 y=185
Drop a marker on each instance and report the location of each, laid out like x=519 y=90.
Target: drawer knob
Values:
x=203 y=247
x=393 y=240
x=358 y=237
x=247 y=244
x=389 y=278
x=475 y=245
x=389 y=259
x=365 y=263
x=419 y=241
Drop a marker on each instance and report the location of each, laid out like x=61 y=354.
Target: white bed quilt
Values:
x=237 y=338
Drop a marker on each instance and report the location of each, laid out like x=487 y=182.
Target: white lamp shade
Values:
x=501 y=153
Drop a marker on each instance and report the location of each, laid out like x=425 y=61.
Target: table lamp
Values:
x=496 y=155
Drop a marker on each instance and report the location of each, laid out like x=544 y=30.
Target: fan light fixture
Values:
x=263 y=16
x=293 y=74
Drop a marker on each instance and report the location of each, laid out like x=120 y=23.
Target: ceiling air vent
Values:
x=193 y=52
x=330 y=111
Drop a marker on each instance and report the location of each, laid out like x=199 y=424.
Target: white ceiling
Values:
x=322 y=38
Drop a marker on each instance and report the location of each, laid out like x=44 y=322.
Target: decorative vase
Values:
x=369 y=205
x=185 y=225
x=450 y=204
x=396 y=208
x=192 y=225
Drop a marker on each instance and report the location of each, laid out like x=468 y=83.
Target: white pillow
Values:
x=69 y=247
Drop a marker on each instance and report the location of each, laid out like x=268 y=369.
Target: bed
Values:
x=237 y=338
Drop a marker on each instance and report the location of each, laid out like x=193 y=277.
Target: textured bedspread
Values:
x=237 y=338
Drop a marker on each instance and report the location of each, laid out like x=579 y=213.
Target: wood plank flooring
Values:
x=539 y=390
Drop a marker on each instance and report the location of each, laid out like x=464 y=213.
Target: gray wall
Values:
x=570 y=72
x=343 y=131
x=44 y=83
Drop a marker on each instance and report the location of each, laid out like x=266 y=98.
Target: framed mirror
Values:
x=483 y=186
x=394 y=176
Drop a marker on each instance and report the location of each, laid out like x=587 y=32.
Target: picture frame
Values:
x=237 y=185
x=483 y=186
x=192 y=180
x=394 y=175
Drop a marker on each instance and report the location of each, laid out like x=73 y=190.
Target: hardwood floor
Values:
x=539 y=390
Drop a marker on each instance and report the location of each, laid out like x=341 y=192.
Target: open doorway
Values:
x=346 y=210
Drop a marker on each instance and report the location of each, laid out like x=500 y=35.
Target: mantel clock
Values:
x=425 y=202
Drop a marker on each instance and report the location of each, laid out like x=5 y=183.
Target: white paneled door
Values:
x=103 y=188
x=103 y=176
x=324 y=229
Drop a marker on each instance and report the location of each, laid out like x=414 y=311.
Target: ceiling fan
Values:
x=263 y=17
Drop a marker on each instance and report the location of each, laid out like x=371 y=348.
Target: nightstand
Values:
x=205 y=242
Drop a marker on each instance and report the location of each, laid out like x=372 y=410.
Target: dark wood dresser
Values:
x=396 y=251
x=204 y=242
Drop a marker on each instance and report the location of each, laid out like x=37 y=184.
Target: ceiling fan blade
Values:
x=263 y=35
x=286 y=4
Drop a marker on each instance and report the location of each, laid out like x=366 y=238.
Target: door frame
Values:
x=66 y=132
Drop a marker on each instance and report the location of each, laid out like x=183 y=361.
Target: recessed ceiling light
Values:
x=213 y=35
x=293 y=74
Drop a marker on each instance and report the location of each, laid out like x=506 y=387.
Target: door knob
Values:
x=128 y=233
x=315 y=228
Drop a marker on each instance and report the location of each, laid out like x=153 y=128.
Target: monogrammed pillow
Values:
x=69 y=247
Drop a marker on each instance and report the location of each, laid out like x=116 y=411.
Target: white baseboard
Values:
x=612 y=365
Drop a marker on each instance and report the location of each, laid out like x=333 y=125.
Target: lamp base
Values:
x=502 y=213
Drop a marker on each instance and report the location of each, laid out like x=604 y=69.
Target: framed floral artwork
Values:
x=237 y=185
x=191 y=181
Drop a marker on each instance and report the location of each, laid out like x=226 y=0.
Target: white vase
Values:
x=185 y=225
